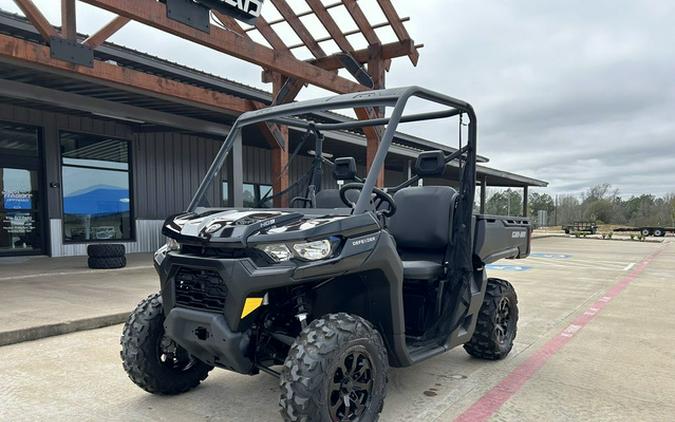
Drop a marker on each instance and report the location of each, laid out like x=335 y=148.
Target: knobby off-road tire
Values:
x=106 y=250
x=106 y=263
x=334 y=357
x=497 y=322
x=152 y=360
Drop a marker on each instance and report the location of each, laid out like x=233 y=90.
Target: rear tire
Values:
x=106 y=250
x=152 y=360
x=659 y=232
x=335 y=370
x=497 y=322
x=107 y=263
x=645 y=232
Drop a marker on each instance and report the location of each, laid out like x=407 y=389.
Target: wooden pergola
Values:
x=64 y=51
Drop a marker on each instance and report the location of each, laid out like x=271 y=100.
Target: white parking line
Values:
x=629 y=266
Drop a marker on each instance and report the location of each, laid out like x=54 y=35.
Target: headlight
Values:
x=172 y=245
x=313 y=251
x=278 y=252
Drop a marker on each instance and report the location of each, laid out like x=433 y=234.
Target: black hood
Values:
x=240 y=227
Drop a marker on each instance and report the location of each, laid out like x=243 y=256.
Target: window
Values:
x=252 y=194
x=96 y=195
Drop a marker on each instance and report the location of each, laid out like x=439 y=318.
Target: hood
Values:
x=234 y=226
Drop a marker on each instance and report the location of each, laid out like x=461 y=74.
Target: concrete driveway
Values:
x=594 y=343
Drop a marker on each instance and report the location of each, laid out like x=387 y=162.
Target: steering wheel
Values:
x=380 y=196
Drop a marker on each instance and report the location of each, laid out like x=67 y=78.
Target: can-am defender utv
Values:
x=333 y=295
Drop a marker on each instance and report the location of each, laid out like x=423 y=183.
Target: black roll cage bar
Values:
x=395 y=97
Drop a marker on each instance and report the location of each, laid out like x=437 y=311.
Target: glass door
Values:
x=21 y=223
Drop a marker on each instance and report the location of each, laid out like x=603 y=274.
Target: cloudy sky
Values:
x=573 y=92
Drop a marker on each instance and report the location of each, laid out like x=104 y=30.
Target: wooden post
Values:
x=280 y=154
x=376 y=69
x=68 y=19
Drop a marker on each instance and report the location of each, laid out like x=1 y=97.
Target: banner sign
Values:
x=17 y=200
x=243 y=10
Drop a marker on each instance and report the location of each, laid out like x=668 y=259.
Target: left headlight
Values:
x=172 y=244
x=313 y=251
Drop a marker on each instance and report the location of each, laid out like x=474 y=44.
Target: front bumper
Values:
x=207 y=336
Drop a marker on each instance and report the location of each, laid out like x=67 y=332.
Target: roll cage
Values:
x=295 y=115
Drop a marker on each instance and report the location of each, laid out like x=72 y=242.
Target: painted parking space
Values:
x=506 y=267
x=550 y=255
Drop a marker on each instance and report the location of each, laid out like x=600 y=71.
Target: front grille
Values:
x=200 y=289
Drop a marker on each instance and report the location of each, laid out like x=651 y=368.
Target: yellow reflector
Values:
x=251 y=304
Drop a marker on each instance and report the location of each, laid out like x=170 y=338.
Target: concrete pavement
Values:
x=618 y=366
x=42 y=296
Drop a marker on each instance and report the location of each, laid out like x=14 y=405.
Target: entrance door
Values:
x=21 y=204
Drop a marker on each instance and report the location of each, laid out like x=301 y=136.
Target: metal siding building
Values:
x=64 y=142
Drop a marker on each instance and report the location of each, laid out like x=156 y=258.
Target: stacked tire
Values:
x=106 y=256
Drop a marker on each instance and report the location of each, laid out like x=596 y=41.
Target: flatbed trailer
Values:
x=580 y=227
x=656 y=231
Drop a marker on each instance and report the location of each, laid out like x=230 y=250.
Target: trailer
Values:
x=656 y=231
x=580 y=227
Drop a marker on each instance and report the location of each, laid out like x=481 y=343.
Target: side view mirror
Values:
x=430 y=163
x=345 y=168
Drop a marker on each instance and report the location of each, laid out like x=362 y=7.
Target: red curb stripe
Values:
x=491 y=401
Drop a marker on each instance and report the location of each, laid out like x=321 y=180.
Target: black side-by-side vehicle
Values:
x=327 y=297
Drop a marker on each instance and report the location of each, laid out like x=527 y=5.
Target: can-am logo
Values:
x=250 y=7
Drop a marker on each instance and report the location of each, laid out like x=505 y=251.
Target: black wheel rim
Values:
x=351 y=388
x=503 y=320
x=172 y=356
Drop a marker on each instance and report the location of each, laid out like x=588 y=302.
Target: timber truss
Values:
x=63 y=50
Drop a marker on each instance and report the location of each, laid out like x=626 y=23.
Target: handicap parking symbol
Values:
x=550 y=255
x=499 y=267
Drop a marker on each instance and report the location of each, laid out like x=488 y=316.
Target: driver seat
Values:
x=422 y=226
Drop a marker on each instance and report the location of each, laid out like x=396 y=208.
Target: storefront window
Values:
x=97 y=200
x=20 y=203
x=253 y=195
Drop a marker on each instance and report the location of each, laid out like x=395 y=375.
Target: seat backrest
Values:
x=329 y=198
x=423 y=219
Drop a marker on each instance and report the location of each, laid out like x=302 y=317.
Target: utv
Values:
x=337 y=290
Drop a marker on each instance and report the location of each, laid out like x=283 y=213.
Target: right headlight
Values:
x=313 y=251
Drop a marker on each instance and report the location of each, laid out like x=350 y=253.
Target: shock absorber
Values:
x=301 y=306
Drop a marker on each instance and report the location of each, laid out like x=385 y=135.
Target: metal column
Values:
x=483 y=194
x=525 y=201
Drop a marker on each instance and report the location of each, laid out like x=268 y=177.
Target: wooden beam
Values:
x=153 y=13
x=333 y=63
x=361 y=21
x=68 y=19
x=300 y=29
x=95 y=40
x=329 y=23
x=377 y=71
x=389 y=51
x=37 y=19
x=280 y=173
x=38 y=56
x=398 y=27
x=270 y=35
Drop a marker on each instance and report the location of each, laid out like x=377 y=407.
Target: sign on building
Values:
x=243 y=10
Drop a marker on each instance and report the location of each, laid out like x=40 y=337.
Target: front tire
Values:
x=659 y=233
x=152 y=360
x=645 y=232
x=335 y=371
x=497 y=322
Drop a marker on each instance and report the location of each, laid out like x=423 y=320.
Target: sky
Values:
x=573 y=92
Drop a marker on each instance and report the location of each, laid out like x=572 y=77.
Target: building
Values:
x=83 y=161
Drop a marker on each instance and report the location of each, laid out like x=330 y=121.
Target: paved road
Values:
x=613 y=361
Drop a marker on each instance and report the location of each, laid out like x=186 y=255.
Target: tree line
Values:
x=601 y=204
